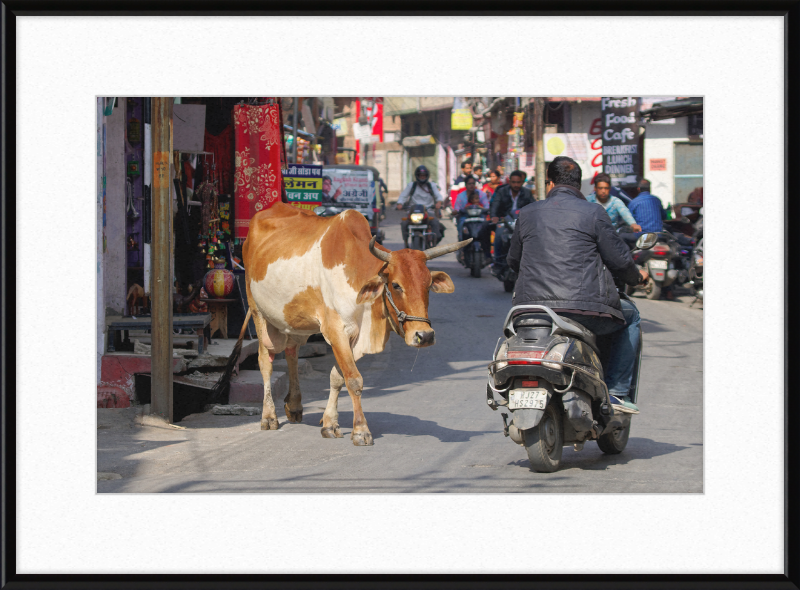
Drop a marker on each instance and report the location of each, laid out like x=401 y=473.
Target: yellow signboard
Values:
x=461 y=119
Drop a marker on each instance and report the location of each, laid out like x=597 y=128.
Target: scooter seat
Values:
x=541 y=320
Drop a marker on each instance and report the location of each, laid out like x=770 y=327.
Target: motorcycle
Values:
x=503 y=273
x=331 y=209
x=419 y=236
x=549 y=374
x=473 y=256
x=667 y=263
x=696 y=273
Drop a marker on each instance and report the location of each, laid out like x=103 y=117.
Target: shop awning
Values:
x=673 y=108
x=418 y=140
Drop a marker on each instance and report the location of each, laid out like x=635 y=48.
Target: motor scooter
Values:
x=549 y=373
x=474 y=221
x=696 y=273
x=667 y=263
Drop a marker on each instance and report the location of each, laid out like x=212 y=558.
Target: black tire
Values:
x=614 y=442
x=545 y=441
x=508 y=285
x=652 y=289
x=477 y=264
x=416 y=243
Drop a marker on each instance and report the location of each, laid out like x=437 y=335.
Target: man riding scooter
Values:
x=507 y=199
x=426 y=193
x=565 y=251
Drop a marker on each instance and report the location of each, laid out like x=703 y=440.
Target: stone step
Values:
x=248 y=388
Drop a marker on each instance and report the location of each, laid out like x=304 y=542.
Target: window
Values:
x=688 y=169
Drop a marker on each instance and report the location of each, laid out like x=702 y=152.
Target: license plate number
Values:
x=658 y=264
x=527 y=398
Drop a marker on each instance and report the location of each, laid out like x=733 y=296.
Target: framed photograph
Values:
x=705 y=493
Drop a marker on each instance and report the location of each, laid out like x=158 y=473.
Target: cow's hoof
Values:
x=293 y=417
x=331 y=432
x=361 y=439
x=269 y=424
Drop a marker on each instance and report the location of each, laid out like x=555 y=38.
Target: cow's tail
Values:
x=222 y=386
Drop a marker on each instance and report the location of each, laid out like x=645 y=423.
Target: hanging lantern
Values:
x=218 y=282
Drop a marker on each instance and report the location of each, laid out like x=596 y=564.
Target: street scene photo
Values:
x=415 y=294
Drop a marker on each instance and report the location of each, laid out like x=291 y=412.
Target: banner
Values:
x=353 y=187
x=461 y=119
x=257 y=180
x=371 y=110
x=620 y=121
x=303 y=185
x=571 y=145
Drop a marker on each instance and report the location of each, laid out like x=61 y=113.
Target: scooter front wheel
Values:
x=545 y=442
x=477 y=264
x=614 y=442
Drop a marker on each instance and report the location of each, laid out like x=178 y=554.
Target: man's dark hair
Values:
x=469 y=177
x=477 y=167
x=520 y=174
x=602 y=177
x=644 y=186
x=328 y=178
x=564 y=170
x=465 y=162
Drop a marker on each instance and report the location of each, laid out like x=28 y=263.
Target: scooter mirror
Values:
x=319 y=210
x=646 y=241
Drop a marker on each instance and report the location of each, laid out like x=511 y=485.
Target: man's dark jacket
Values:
x=502 y=200
x=565 y=250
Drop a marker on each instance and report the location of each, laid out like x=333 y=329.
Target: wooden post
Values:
x=161 y=281
x=538 y=138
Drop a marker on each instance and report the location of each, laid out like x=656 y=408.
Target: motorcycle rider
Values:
x=426 y=193
x=507 y=199
x=615 y=207
x=471 y=195
x=565 y=250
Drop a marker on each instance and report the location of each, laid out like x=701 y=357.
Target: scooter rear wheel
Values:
x=652 y=289
x=545 y=442
x=614 y=442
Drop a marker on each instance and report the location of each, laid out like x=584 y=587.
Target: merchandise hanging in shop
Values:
x=258 y=179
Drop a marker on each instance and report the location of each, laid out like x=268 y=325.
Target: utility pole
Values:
x=295 y=108
x=161 y=281
x=538 y=138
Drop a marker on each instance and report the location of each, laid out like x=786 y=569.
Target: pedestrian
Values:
x=567 y=255
x=616 y=209
x=477 y=172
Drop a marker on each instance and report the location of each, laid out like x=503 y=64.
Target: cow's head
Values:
x=406 y=281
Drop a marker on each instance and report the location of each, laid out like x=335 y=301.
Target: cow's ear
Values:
x=441 y=282
x=371 y=291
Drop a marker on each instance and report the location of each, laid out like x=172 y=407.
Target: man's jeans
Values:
x=623 y=342
x=500 y=246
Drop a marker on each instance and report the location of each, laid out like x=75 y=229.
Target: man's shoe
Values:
x=405 y=245
x=623 y=404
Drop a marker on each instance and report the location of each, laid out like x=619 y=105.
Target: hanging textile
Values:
x=258 y=178
x=222 y=147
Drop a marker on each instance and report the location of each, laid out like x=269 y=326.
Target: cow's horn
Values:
x=379 y=254
x=432 y=253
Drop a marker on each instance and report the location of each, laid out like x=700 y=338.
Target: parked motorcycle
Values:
x=548 y=373
x=696 y=273
x=503 y=273
x=473 y=256
x=667 y=263
x=331 y=209
x=420 y=237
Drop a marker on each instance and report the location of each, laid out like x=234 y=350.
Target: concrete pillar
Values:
x=115 y=262
x=101 y=307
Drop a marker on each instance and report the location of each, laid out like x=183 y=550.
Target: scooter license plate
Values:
x=660 y=264
x=527 y=398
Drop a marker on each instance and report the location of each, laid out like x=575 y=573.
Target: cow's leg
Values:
x=330 y=419
x=352 y=379
x=269 y=421
x=292 y=402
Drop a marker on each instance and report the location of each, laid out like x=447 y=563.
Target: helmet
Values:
x=420 y=171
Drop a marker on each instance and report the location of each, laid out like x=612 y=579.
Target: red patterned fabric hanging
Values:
x=222 y=148
x=258 y=179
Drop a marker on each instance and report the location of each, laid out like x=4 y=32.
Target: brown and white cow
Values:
x=307 y=274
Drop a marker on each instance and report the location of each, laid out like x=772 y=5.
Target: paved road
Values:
x=432 y=429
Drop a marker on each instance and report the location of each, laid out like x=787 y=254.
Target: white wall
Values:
x=659 y=142
x=114 y=261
